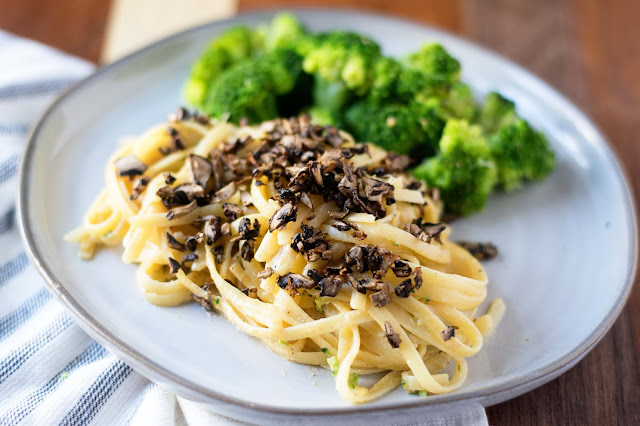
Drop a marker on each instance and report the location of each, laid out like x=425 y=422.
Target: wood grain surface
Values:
x=589 y=50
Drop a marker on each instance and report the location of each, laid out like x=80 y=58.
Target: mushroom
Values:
x=401 y=269
x=247 y=250
x=188 y=258
x=285 y=214
x=382 y=296
x=403 y=289
x=481 y=251
x=205 y=302
x=330 y=286
x=174 y=266
x=448 y=333
x=392 y=337
x=175 y=244
x=177 y=212
x=130 y=166
x=417 y=277
x=200 y=169
x=266 y=273
x=296 y=281
x=192 y=242
x=231 y=211
x=252 y=292
x=212 y=230
x=190 y=191
x=225 y=192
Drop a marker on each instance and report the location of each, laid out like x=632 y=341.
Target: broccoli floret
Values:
x=342 y=57
x=433 y=77
x=252 y=88
x=463 y=169
x=285 y=31
x=456 y=102
x=244 y=90
x=385 y=85
x=520 y=153
x=433 y=60
x=496 y=111
x=233 y=46
x=404 y=129
x=284 y=67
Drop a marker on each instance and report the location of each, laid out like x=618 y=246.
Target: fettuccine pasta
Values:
x=323 y=249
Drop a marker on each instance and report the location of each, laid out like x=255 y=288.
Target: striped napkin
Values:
x=51 y=372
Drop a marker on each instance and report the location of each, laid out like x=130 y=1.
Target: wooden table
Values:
x=589 y=50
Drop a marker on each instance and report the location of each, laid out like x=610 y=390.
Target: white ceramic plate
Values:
x=567 y=246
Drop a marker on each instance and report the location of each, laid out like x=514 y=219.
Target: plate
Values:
x=567 y=245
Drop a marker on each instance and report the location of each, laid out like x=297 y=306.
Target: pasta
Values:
x=321 y=248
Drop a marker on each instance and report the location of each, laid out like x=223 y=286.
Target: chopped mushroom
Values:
x=266 y=273
x=392 y=337
x=188 y=258
x=425 y=231
x=417 y=277
x=179 y=115
x=168 y=178
x=174 y=266
x=177 y=212
x=401 y=269
x=247 y=250
x=212 y=230
x=205 y=302
x=403 y=289
x=448 y=333
x=330 y=286
x=481 y=251
x=192 y=242
x=341 y=226
x=224 y=193
x=190 y=191
x=252 y=292
x=217 y=251
x=200 y=169
x=285 y=214
x=382 y=296
x=130 y=166
x=231 y=211
x=139 y=186
x=175 y=244
x=246 y=231
x=375 y=189
x=296 y=281
x=304 y=199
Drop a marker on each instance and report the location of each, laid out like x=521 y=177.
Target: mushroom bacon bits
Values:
x=326 y=250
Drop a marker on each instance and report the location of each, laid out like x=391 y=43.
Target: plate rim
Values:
x=144 y=365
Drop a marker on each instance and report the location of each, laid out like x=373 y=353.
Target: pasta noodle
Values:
x=322 y=249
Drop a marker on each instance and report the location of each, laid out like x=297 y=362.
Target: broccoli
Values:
x=343 y=57
x=405 y=129
x=233 y=46
x=433 y=60
x=253 y=88
x=386 y=82
x=463 y=168
x=285 y=31
x=495 y=112
x=520 y=153
x=457 y=102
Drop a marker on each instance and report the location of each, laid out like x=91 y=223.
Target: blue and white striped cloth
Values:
x=51 y=372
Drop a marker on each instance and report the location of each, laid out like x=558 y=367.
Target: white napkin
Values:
x=51 y=372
